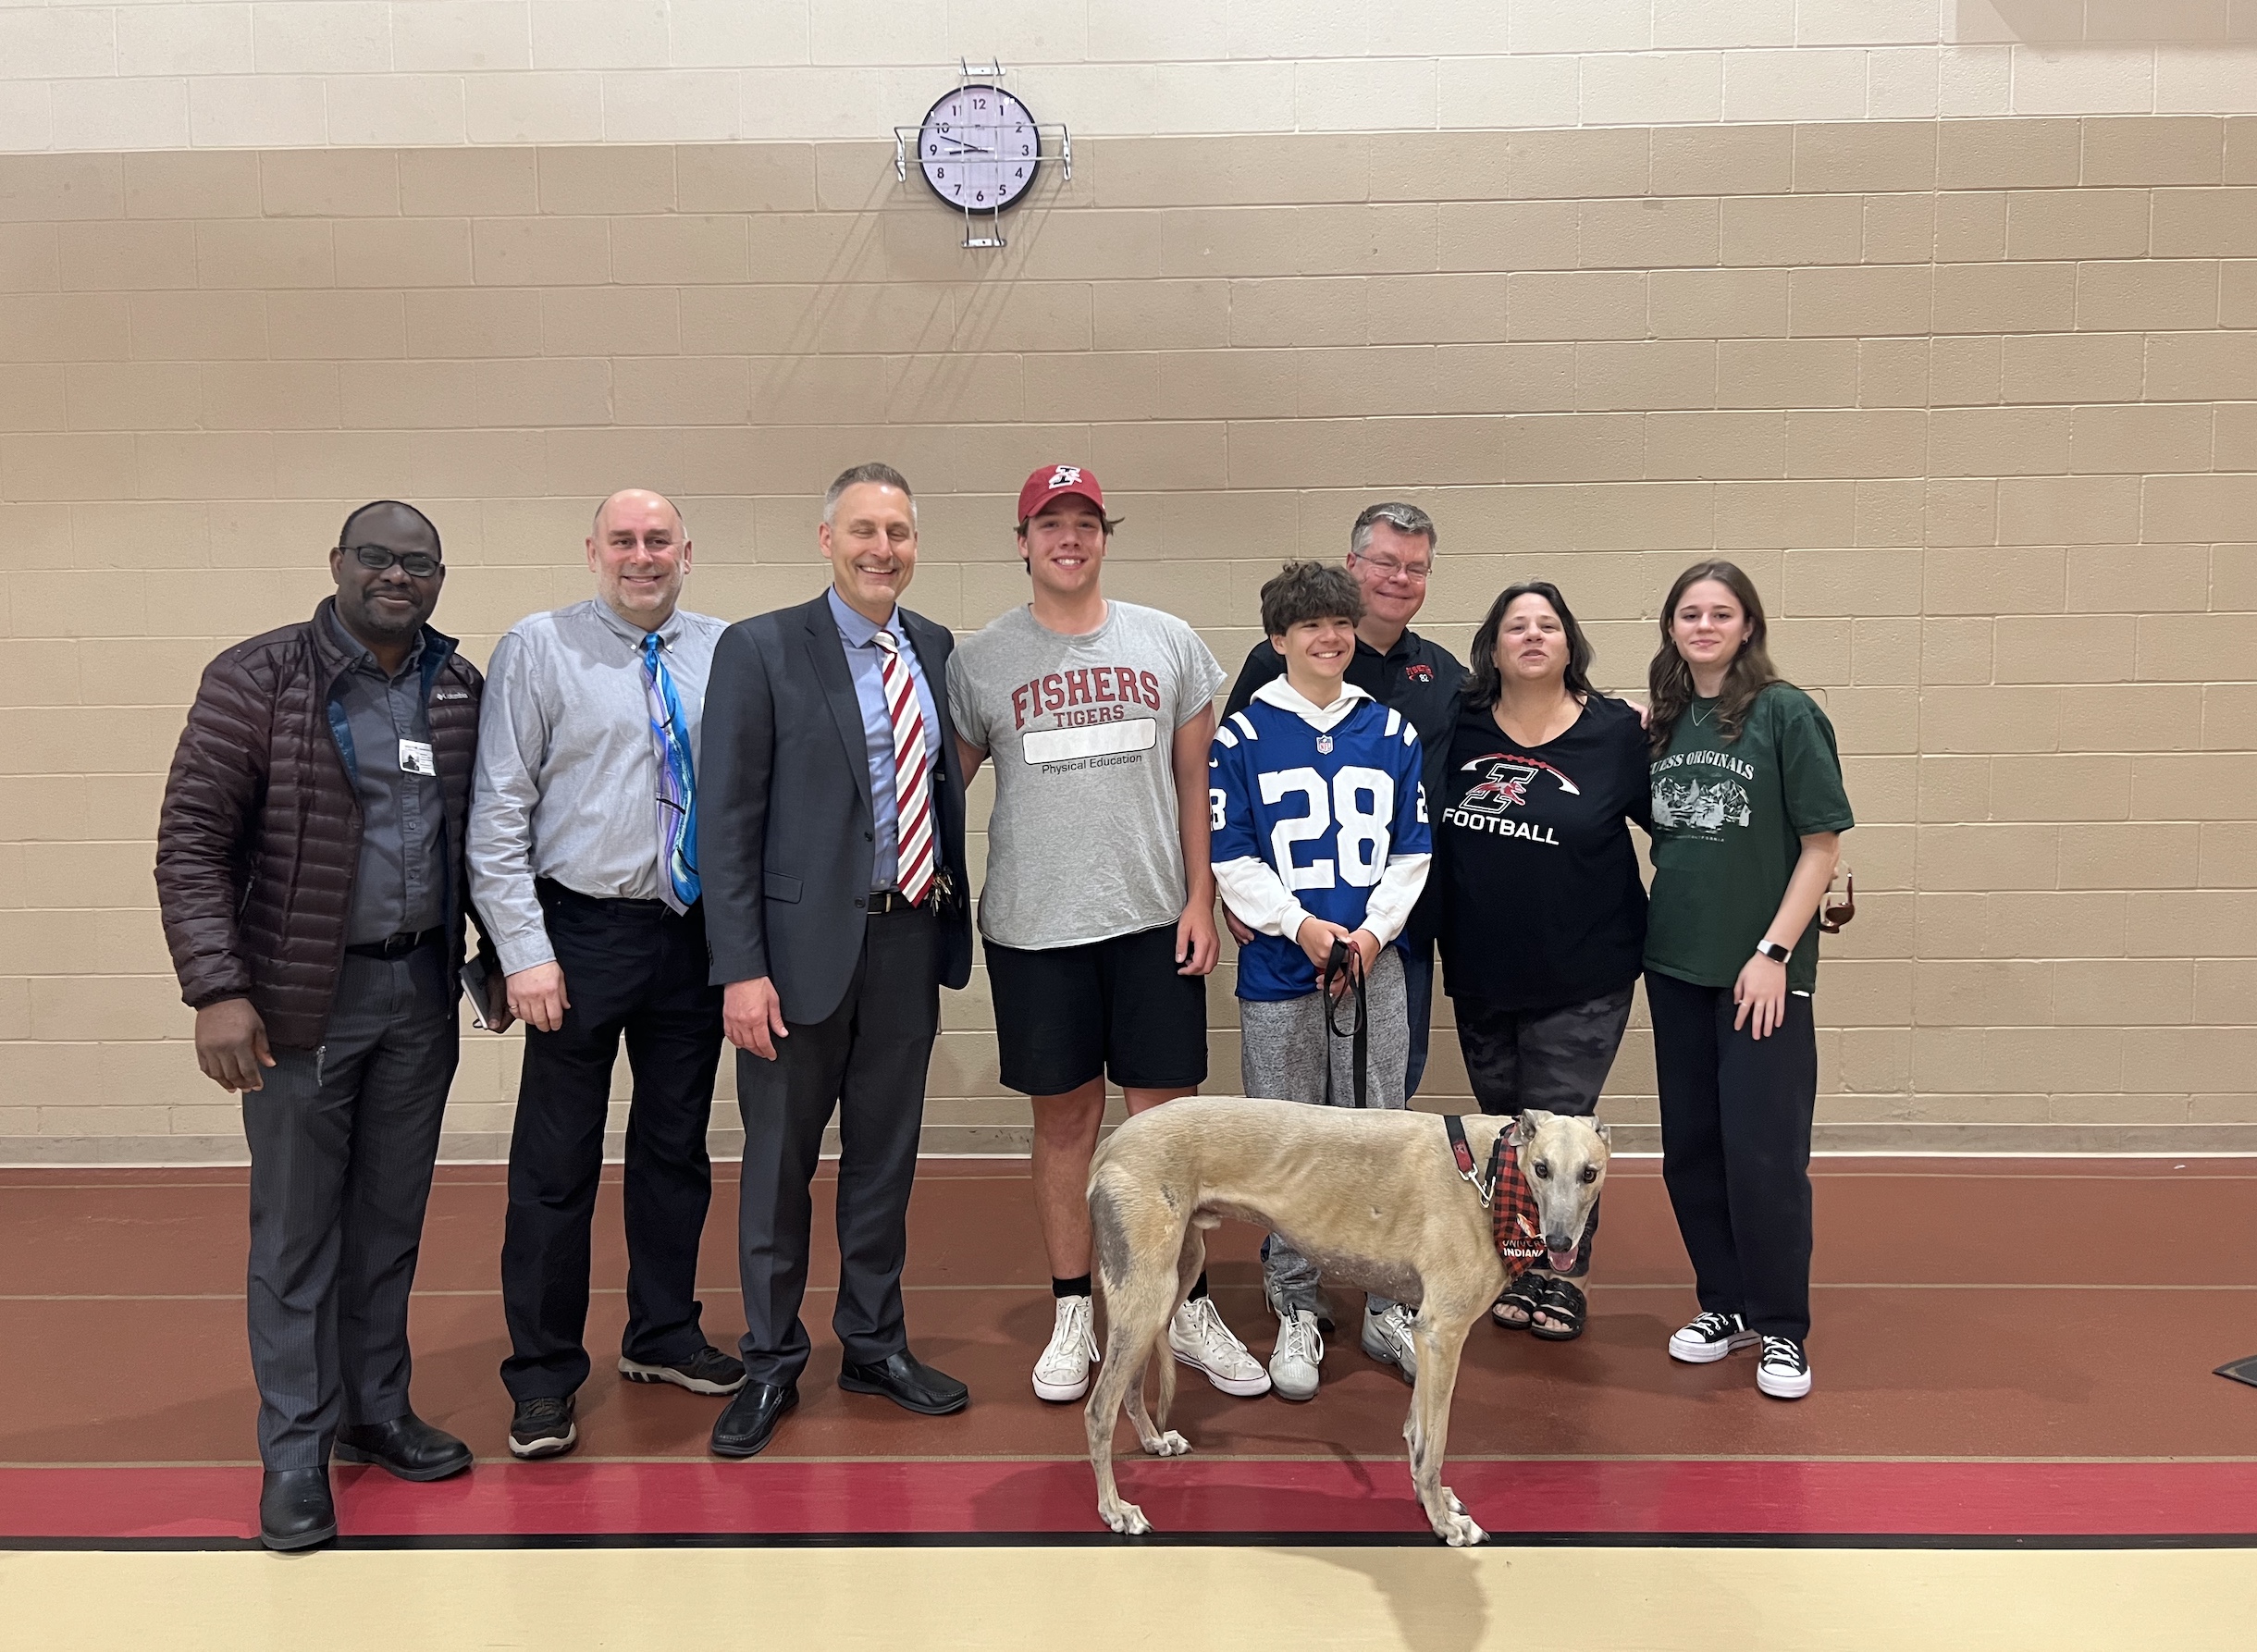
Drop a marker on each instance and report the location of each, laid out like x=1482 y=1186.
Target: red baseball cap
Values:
x=1055 y=481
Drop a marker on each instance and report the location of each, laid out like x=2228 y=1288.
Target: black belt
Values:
x=891 y=900
x=397 y=946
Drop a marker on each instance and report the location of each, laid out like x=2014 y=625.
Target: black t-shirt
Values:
x=1416 y=677
x=1534 y=864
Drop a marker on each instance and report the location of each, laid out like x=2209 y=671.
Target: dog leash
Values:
x=1345 y=961
x=1464 y=1153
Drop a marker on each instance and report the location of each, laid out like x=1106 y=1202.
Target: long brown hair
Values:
x=1669 y=680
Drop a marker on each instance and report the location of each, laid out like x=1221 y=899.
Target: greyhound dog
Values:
x=1374 y=1198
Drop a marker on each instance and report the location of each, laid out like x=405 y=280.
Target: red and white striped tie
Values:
x=912 y=790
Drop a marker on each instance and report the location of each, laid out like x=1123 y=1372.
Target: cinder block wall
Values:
x=1975 y=400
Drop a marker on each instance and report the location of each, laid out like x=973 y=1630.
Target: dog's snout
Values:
x=1559 y=1241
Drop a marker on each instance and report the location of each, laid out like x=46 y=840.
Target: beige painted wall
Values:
x=1975 y=401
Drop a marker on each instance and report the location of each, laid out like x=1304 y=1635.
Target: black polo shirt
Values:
x=1420 y=679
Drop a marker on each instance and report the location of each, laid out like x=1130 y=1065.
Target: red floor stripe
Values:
x=1214 y=1496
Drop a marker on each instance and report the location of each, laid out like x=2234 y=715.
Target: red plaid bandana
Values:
x=1520 y=1238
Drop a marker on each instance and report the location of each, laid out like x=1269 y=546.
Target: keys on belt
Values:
x=396 y=946
x=883 y=901
x=941 y=897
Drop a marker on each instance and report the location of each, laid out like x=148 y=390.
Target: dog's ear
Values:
x=1525 y=1126
x=1606 y=1136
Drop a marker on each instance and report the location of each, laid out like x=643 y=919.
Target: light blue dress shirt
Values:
x=866 y=662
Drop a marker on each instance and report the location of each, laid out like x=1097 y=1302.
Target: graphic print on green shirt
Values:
x=1729 y=820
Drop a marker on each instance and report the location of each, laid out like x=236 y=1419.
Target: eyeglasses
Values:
x=1388 y=568
x=415 y=565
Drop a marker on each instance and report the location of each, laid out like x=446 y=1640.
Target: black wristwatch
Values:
x=1773 y=951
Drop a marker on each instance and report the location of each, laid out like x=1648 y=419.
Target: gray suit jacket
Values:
x=785 y=822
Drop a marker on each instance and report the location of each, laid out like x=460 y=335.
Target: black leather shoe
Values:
x=743 y=1430
x=295 y=1510
x=909 y=1382
x=406 y=1446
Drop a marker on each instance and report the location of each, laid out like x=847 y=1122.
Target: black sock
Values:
x=1079 y=1285
x=1198 y=1289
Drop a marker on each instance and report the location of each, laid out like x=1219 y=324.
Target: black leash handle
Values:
x=1345 y=961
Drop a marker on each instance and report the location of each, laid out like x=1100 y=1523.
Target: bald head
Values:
x=636 y=499
x=639 y=553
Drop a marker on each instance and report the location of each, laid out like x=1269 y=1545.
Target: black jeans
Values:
x=1735 y=1150
x=1553 y=1060
x=867 y=1059
x=631 y=967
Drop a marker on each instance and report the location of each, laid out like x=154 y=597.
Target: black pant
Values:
x=342 y=1141
x=1735 y=1150
x=630 y=967
x=867 y=1058
x=1554 y=1060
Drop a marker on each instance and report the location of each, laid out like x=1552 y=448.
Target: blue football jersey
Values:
x=1325 y=809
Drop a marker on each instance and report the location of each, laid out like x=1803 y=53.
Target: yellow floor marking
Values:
x=1097 y=1600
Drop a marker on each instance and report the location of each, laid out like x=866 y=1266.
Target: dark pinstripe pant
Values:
x=342 y=1141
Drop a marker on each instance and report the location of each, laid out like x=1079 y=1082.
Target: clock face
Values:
x=978 y=148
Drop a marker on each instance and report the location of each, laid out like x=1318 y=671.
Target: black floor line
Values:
x=1780 y=1540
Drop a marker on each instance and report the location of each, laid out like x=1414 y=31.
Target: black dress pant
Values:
x=631 y=967
x=1735 y=1150
x=867 y=1058
x=342 y=1141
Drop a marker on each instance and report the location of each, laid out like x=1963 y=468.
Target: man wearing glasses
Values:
x=583 y=855
x=309 y=871
x=1390 y=554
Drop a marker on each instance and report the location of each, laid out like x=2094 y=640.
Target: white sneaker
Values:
x=1783 y=1372
x=1710 y=1336
x=1301 y=1349
x=1062 y=1372
x=1203 y=1342
x=1386 y=1337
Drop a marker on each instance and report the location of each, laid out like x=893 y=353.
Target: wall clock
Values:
x=980 y=149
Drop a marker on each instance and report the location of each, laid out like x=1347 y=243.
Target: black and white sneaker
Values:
x=543 y=1427
x=709 y=1372
x=1710 y=1336
x=1783 y=1372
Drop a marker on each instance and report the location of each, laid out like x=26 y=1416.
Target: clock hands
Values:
x=964 y=148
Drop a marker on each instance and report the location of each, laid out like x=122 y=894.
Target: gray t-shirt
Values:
x=1083 y=844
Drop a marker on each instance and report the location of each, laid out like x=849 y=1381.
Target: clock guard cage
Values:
x=983 y=225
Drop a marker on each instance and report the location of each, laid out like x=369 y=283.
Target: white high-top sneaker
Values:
x=1062 y=1372
x=1203 y=1342
x=1300 y=1350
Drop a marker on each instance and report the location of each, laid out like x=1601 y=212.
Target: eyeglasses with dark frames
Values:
x=415 y=565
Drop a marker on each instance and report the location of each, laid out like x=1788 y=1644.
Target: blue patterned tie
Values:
x=677 y=805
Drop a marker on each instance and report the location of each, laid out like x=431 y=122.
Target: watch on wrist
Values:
x=1773 y=951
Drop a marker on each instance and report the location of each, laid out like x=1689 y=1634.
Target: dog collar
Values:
x=1513 y=1208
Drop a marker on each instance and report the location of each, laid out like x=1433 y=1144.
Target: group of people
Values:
x=673 y=830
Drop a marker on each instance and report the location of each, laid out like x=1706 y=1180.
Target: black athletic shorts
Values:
x=1065 y=1015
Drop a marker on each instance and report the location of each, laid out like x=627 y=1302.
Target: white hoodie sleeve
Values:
x=1252 y=890
x=1398 y=891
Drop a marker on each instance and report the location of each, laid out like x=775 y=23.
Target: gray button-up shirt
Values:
x=568 y=781
x=401 y=883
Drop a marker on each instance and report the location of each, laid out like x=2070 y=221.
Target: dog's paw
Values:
x=1460 y=1531
x=1170 y=1444
x=1451 y=1498
x=1127 y=1520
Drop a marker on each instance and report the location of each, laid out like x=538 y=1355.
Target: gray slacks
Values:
x=342 y=1141
x=1282 y=1050
x=868 y=1060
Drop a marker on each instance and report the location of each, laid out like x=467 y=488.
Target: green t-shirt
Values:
x=1729 y=819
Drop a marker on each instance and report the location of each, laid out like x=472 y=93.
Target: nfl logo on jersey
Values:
x=1324 y=744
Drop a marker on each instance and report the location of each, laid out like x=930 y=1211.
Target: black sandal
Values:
x=1526 y=1293
x=1563 y=1305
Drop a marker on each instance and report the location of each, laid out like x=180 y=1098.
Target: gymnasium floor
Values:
x=2016 y=1440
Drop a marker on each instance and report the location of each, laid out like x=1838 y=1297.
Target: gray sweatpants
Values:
x=342 y=1141
x=1282 y=1049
